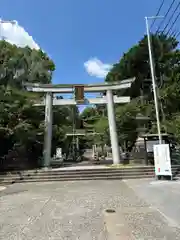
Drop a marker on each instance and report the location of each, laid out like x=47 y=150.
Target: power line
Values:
x=173 y=33
x=172 y=15
x=177 y=35
x=165 y=15
x=174 y=21
x=161 y=5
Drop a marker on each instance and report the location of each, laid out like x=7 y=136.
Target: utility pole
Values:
x=153 y=77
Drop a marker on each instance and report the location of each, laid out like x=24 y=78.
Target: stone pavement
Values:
x=75 y=210
x=163 y=196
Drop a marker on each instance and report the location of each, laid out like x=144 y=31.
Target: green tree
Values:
x=102 y=129
x=127 y=124
x=135 y=63
x=22 y=124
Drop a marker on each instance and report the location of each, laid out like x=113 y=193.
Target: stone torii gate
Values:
x=109 y=99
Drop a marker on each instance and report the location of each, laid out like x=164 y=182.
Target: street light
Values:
x=13 y=22
x=153 y=76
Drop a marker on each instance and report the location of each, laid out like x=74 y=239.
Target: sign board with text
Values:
x=162 y=160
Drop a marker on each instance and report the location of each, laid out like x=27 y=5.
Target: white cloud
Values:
x=15 y=34
x=96 y=68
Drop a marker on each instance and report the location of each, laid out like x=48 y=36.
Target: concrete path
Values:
x=163 y=196
x=77 y=210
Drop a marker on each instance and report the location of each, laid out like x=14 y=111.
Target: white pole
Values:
x=112 y=127
x=153 y=81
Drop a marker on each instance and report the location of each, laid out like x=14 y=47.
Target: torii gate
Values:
x=109 y=99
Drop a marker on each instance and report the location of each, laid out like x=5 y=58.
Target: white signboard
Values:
x=59 y=152
x=162 y=160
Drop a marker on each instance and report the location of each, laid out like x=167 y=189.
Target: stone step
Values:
x=124 y=171
x=105 y=169
x=77 y=178
x=82 y=174
x=41 y=171
x=86 y=170
x=70 y=173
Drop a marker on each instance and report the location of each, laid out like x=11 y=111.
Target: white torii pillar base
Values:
x=112 y=127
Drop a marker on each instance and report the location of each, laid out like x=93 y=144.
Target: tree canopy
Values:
x=22 y=124
x=135 y=63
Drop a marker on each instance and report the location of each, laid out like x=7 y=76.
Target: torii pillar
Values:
x=48 y=130
x=112 y=127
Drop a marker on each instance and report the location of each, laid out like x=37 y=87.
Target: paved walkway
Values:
x=75 y=210
x=163 y=196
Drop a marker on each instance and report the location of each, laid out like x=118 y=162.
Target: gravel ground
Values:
x=75 y=210
x=163 y=196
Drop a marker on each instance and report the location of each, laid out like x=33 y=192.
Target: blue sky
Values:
x=73 y=32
